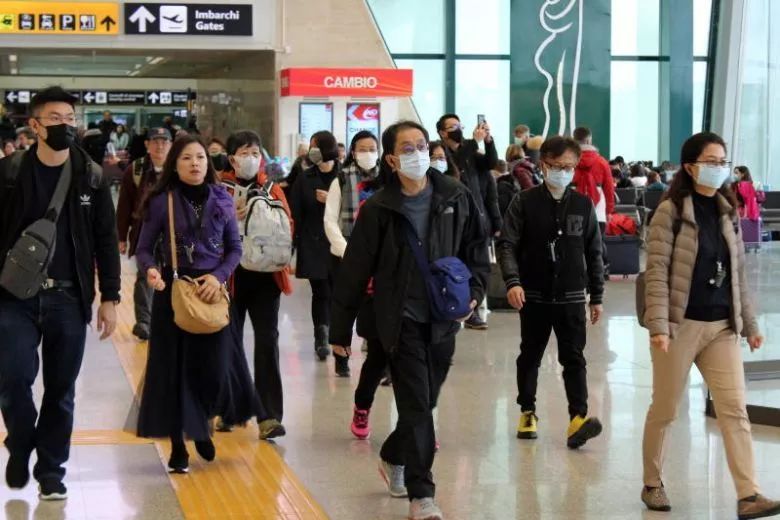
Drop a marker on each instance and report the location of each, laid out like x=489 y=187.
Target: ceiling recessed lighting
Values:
x=138 y=65
x=12 y=57
x=135 y=73
x=149 y=58
x=157 y=60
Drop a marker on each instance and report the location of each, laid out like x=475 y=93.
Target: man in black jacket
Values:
x=58 y=315
x=446 y=222
x=475 y=158
x=550 y=255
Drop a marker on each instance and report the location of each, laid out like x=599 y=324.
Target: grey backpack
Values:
x=266 y=233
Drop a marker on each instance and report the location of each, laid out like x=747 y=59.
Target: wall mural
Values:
x=560 y=66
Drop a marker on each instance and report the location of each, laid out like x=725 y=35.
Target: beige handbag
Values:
x=190 y=313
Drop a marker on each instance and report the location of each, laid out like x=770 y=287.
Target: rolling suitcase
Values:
x=751 y=233
x=623 y=254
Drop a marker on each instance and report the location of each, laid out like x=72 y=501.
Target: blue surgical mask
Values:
x=439 y=164
x=713 y=176
x=560 y=178
x=415 y=165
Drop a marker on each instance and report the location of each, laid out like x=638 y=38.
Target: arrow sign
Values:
x=107 y=21
x=88 y=97
x=153 y=97
x=11 y=96
x=142 y=16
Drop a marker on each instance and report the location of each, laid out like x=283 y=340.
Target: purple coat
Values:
x=218 y=250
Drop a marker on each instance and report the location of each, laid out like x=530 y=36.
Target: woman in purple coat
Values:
x=187 y=375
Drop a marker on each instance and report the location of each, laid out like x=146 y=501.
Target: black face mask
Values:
x=456 y=135
x=60 y=137
x=220 y=161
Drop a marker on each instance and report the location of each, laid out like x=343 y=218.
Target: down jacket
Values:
x=669 y=273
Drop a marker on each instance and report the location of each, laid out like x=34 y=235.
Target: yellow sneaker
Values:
x=526 y=427
x=581 y=430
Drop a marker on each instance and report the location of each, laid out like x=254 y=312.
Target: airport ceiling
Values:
x=138 y=63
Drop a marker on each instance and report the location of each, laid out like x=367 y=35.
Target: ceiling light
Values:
x=14 y=71
x=157 y=60
x=149 y=58
x=135 y=73
x=138 y=65
x=12 y=57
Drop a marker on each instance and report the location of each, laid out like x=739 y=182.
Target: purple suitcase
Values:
x=751 y=233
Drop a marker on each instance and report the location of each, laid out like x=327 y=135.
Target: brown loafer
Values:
x=655 y=499
x=757 y=506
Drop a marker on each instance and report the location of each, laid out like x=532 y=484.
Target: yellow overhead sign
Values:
x=79 y=18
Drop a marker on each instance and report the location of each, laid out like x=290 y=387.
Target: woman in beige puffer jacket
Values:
x=697 y=304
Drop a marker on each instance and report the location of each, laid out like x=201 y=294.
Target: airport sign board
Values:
x=357 y=82
x=226 y=19
x=111 y=97
x=60 y=18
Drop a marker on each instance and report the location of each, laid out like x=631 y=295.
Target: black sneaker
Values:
x=17 y=472
x=322 y=352
x=342 y=365
x=180 y=459
x=141 y=332
x=476 y=323
x=52 y=489
x=206 y=450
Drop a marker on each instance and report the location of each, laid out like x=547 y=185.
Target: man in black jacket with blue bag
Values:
x=550 y=255
x=56 y=225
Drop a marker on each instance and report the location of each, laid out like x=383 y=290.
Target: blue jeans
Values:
x=55 y=320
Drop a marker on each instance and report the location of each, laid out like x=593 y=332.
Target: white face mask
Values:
x=713 y=176
x=560 y=178
x=158 y=169
x=519 y=141
x=366 y=160
x=248 y=167
x=415 y=165
x=439 y=164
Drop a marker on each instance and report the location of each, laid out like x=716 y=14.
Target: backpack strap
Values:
x=138 y=171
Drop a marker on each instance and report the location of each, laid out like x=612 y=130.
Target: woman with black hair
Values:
x=697 y=304
x=416 y=204
x=186 y=373
x=441 y=159
x=356 y=182
x=309 y=194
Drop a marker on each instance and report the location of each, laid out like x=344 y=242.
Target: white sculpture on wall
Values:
x=555 y=24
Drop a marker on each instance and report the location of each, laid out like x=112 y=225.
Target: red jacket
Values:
x=282 y=278
x=593 y=172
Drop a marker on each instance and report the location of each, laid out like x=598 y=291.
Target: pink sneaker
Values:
x=359 y=426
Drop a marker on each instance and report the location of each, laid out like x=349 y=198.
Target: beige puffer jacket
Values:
x=668 y=276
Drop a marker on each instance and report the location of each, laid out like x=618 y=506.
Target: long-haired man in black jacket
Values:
x=550 y=255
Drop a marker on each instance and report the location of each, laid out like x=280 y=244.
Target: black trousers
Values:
x=537 y=321
x=418 y=368
x=604 y=256
x=142 y=301
x=320 y=302
x=371 y=374
x=55 y=320
x=258 y=295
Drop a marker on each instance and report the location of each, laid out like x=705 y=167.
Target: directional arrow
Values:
x=88 y=97
x=107 y=21
x=142 y=16
x=11 y=96
x=153 y=97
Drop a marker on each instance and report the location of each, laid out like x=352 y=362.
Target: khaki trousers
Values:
x=714 y=348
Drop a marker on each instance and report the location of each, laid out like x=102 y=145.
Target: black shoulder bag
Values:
x=25 y=269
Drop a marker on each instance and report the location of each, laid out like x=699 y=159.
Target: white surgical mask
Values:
x=248 y=167
x=713 y=176
x=366 y=160
x=440 y=164
x=158 y=169
x=415 y=165
x=560 y=178
x=519 y=141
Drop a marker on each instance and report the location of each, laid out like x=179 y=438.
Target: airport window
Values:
x=635 y=26
x=701 y=26
x=428 y=95
x=634 y=111
x=410 y=26
x=482 y=27
x=699 y=85
x=475 y=95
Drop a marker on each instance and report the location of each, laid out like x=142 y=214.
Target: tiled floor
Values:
x=482 y=470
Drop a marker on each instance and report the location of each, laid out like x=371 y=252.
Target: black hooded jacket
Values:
x=92 y=223
x=378 y=249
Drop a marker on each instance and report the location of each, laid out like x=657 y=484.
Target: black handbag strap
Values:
x=420 y=255
x=60 y=193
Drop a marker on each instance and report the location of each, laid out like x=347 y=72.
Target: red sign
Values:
x=347 y=82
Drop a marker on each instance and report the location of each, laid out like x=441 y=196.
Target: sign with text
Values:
x=362 y=116
x=75 y=18
x=314 y=117
x=347 y=82
x=18 y=96
x=193 y=19
x=102 y=97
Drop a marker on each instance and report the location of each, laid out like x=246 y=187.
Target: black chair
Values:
x=770 y=211
x=626 y=196
x=653 y=198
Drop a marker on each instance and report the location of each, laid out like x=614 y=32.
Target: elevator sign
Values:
x=193 y=19
x=70 y=18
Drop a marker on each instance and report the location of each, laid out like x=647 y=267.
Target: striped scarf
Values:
x=351 y=196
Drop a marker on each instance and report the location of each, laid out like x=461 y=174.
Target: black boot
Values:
x=180 y=459
x=321 y=342
x=342 y=365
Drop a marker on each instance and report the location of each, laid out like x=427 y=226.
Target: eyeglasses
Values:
x=58 y=119
x=716 y=164
x=560 y=166
x=420 y=147
x=455 y=127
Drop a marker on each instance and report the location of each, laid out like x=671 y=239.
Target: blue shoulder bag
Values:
x=447 y=281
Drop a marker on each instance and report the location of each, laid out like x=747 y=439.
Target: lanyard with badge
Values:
x=716 y=281
x=558 y=218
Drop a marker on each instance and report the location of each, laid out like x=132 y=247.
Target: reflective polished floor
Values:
x=482 y=471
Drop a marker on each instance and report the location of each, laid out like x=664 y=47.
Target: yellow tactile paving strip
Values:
x=249 y=479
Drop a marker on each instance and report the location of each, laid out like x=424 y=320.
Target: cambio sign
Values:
x=347 y=82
